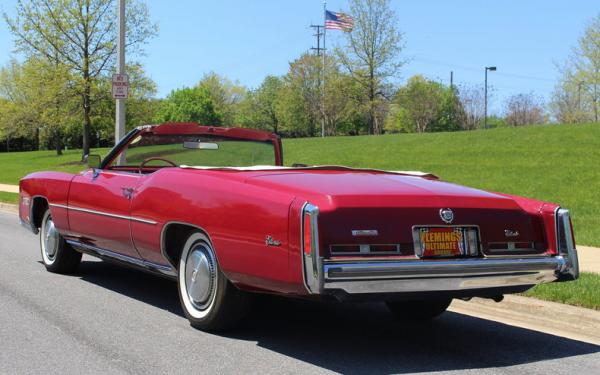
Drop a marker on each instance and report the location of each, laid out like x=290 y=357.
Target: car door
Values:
x=99 y=209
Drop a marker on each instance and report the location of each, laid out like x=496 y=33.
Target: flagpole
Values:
x=324 y=53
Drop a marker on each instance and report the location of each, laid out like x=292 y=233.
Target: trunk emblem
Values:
x=447 y=215
x=511 y=233
x=365 y=232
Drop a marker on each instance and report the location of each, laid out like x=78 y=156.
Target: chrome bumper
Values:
x=432 y=275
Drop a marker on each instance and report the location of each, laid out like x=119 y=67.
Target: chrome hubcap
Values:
x=200 y=276
x=50 y=239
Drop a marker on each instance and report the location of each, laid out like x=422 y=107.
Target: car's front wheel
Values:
x=419 y=309
x=209 y=300
x=57 y=255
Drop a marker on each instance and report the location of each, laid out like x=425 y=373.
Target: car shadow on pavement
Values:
x=359 y=337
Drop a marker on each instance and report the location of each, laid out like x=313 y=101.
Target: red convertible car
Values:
x=215 y=209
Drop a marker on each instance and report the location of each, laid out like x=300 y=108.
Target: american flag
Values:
x=338 y=21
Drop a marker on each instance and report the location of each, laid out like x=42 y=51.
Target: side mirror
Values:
x=93 y=161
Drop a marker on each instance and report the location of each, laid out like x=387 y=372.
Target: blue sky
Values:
x=246 y=40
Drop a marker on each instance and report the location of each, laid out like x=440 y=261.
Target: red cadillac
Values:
x=215 y=209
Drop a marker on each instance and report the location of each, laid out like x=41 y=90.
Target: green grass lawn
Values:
x=15 y=165
x=9 y=197
x=559 y=163
x=582 y=292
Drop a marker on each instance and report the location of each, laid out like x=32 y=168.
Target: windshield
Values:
x=193 y=150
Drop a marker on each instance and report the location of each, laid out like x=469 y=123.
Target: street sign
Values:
x=120 y=86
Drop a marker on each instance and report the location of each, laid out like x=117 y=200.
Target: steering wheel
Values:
x=148 y=160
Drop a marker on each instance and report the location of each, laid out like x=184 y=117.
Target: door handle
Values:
x=127 y=192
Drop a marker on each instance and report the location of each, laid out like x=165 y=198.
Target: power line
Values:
x=475 y=69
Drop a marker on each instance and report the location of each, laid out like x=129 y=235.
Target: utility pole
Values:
x=318 y=34
x=120 y=105
x=324 y=70
x=491 y=69
x=451 y=80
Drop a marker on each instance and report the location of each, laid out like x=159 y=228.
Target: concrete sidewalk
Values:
x=576 y=323
x=9 y=188
x=589 y=259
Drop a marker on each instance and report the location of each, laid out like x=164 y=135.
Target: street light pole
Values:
x=120 y=105
x=491 y=69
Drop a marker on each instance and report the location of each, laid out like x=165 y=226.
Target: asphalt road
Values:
x=111 y=320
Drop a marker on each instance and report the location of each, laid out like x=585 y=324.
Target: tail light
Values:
x=307 y=233
x=565 y=242
x=311 y=261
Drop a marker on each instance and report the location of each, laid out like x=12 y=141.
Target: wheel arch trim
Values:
x=35 y=201
x=163 y=245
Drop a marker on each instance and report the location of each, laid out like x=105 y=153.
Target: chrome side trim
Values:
x=312 y=264
x=111 y=255
x=107 y=214
x=58 y=205
x=425 y=276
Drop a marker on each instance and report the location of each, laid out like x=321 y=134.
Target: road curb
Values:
x=8 y=207
x=559 y=319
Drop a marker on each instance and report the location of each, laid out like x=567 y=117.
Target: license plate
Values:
x=440 y=242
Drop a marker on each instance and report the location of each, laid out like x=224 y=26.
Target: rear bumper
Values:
x=416 y=275
x=432 y=276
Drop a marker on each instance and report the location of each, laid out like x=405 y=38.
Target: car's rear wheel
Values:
x=209 y=300
x=419 y=309
x=57 y=255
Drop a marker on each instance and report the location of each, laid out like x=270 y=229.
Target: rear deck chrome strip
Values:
x=101 y=213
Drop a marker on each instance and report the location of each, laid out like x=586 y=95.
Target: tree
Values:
x=568 y=104
x=189 y=105
x=81 y=34
x=346 y=108
x=472 y=99
x=258 y=110
x=42 y=96
x=524 y=109
x=304 y=80
x=225 y=95
x=586 y=61
x=576 y=97
x=423 y=105
x=371 y=54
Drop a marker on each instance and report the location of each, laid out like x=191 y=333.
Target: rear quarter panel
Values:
x=236 y=216
x=51 y=186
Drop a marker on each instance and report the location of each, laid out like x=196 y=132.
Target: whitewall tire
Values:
x=57 y=255
x=209 y=300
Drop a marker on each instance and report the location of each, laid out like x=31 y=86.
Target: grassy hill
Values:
x=555 y=163
x=558 y=163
